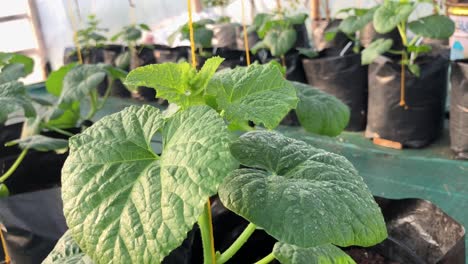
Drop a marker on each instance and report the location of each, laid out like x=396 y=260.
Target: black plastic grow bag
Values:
x=459 y=109
x=336 y=44
x=421 y=122
x=294 y=68
x=32 y=223
x=89 y=56
x=164 y=53
x=345 y=78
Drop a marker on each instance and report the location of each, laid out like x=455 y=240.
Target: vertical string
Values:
x=75 y=33
x=5 y=250
x=132 y=12
x=192 y=39
x=194 y=65
x=402 y=83
x=246 y=39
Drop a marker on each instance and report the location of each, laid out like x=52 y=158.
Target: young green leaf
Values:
x=12 y=72
x=67 y=251
x=375 y=49
x=390 y=14
x=67 y=116
x=41 y=143
x=279 y=42
x=79 y=81
x=12 y=98
x=323 y=254
x=257 y=93
x=434 y=27
x=301 y=195
x=414 y=69
x=297 y=19
x=123 y=60
x=54 y=82
x=178 y=83
x=258 y=46
x=124 y=203
x=26 y=61
x=309 y=53
x=353 y=24
x=320 y=113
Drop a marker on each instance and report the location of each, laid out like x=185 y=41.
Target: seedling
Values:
x=92 y=35
x=124 y=202
x=130 y=35
x=276 y=32
x=395 y=14
x=202 y=35
x=70 y=85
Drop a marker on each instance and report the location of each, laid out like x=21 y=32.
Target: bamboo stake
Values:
x=246 y=39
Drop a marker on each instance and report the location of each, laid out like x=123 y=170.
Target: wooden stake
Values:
x=246 y=39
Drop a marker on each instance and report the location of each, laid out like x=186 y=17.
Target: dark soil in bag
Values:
x=421 y=122
x=459 y=109
x=345 y=78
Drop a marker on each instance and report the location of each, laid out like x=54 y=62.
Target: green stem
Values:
x=93 y=110
x=269 y=258
x=396 y=52
x=204 y=222
x=240 y=241
x=14 y=166
x=106 y=94
x=402 y=30
x=60 y=131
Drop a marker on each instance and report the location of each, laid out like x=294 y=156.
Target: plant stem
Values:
x=206 y=230
x=106 y=94
x=267 y=259
x=15 y=165
x=93 y=110
x=240 y=241
x=402 y=30
x=60 y=131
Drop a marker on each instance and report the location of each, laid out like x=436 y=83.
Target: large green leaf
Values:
x=375 y=49
x=323 y=254
x=41 y=143
x=178 y=83
x=26 y=61
x=319 y=112
x=279 y=42
x=301 y=195
x=79 y=81
x=434 y=26
x=68 y=115
x=353 y=24
x=122 y=202
x=390 y=14
x=257 y=93
x=12 y=98
x=12 y=72
x=54 y=82
x=66 y=251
